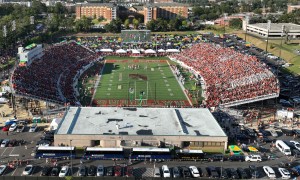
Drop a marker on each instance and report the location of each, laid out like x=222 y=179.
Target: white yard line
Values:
x=180 y=84
x=97 y=83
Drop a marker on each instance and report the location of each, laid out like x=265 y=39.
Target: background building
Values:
x=290 y=7
x=106 y=10
x=164 y=10
x=260 y=29
x=135 y=127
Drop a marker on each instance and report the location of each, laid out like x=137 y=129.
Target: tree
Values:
x=151 y=25
x=126 y=23
x=83 y=24
x=135 y=23
x=114 y=26
x=236 y=23
x=175 y=24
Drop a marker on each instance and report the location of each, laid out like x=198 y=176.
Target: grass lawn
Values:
x=121 y=82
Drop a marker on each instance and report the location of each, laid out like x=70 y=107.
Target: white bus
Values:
x=285 y=149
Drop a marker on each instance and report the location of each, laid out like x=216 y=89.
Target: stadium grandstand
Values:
x=54 y=76
x=228 y=77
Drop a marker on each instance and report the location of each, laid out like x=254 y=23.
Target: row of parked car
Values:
x=11 y=143
x=219 y=172
x=19 y=126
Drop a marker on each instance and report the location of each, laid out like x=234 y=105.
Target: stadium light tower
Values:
x=225 y=19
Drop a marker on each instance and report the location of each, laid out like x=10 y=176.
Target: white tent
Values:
x=150 y=51
x=54 y=124
x=172 y=51
x=161 y=50
x=135 y=51
x=106 y=50
x=121 y=51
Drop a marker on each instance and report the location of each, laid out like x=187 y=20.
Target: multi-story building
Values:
x=164 y=10
x=106 y=10
x=291 y=8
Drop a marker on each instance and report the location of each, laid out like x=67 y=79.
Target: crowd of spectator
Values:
x=52 y=76
x=228 y=75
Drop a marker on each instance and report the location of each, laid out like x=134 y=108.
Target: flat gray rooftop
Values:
x=277 y=26
x=139 y=121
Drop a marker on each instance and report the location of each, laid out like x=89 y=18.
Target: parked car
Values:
x=43 y=143
x=273 y=133
x=287 y=132
x=253 y=158
x=156 y=172
x=194 y=171
x=212 y=172
x=92 y=170
x=185 y=172
x=250 y=132
x=253 y=171
x=20 y=128
x=296 y=153
x=82 y=170
x=216 y=157
x=6 y=128
x=12 y=143
x=118 y=171
x=237 y=158
x=109 y=171
x=2 y=169
x=46 y=171
x=269 y=171
x=13 y=127
x=222 y=173
x=100 y=170
x=55 y=171
x=5 y=143
x=296 y=144
x=232 y=173
x=64 y=171
x=33 y=128
x=128 y=171
x=242 y=173
x=175 y=172
x=285 y=174
x=285 y=164
x=165 y=171
x=28 y=169
x=297 y=132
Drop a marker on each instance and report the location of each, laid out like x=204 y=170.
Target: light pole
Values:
x=71 y=158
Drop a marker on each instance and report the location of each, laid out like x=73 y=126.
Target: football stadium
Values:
x=156 y=71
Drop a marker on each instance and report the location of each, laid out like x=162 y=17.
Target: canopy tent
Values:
x=150 y=51
x=172 y=51
x=54 y=124
x=121 y=51
x=135 y=51
x=161 y=50
x=106 y=50
x=235 y=149
x=252 y=149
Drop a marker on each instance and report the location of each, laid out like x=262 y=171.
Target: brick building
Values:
x=164 y=10
x=107 y=10
x=291 y=8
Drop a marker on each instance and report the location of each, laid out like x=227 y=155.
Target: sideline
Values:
x=180 y=84
x=97 y=83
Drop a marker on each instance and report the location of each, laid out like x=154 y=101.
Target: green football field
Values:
x=138 y=82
